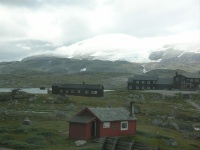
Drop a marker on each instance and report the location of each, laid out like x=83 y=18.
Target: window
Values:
x=79 y=91
x=143 y=87
x=66 y=91
x=137 y=87
x=72 y=91
x=143 y=82
x=177 y=79
x=130 y=87
x=137 y=82
x=191 y=80
x=196 y=80
x=154 y=82
x=124 y=125
x=61 y=91
x=86 y=92
x=148 y=82
x=154 y=88
x=148 y=87
x=106 y=125
x=93 y=92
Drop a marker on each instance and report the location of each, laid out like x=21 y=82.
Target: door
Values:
x=93 y=129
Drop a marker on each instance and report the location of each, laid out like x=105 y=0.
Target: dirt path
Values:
x=193 y=104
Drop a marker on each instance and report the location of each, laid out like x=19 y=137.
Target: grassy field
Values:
x=157 y=123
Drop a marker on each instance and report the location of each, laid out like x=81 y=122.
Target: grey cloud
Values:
x=40 y=3
x=16 y=50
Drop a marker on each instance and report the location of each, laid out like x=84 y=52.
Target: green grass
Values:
x=52 y=128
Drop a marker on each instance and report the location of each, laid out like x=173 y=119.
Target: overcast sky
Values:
x=33 y=26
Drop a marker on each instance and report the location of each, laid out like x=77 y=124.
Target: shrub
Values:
x=46 y=134
x=17 y=145
x=5 y=137
x=36 y=140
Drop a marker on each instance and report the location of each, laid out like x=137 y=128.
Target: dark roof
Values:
x=142 y=77
x=80 y=86
x=165 y=81
x=81 y=119
x=130 y=79
x=190 y=75
x=112 y=114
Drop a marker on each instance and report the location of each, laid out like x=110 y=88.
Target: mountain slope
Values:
x=65 y=65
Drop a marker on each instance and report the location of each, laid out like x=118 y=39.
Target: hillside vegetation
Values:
x=40 y=121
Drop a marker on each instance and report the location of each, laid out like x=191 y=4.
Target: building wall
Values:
x=164 y=86
x=78 y=92
x=79 y=131
x=142 y=85
x=183 y=83
x=115 y=129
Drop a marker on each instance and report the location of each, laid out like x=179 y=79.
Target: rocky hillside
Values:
x=65 y=65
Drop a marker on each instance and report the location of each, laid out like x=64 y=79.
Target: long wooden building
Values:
x=185 y=81
x=93 y=90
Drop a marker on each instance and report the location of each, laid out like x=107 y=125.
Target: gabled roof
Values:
x=112 y=114
x=79 y=86
x=142 y=77
x=191 y=75
x=165 y=81
x=130 y=79
x=81 y=119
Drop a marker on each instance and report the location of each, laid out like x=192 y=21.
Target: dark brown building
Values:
x=142 y=82
x=186 y=81
x=93 y=90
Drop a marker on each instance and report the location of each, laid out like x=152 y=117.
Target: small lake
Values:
x=27 y=90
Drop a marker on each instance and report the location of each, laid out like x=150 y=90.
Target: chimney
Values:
x=131 y=109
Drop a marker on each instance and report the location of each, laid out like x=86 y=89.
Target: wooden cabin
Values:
x=186 y=81
x=93 y=90
x=92 y=123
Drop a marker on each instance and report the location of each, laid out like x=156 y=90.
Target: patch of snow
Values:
x=83 y=69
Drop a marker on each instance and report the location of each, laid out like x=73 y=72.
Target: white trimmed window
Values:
x=148 y=87
x=72 y=91
x=106 y=125
x=191 y=80
x=143 y=82
x=137 y=82
x=154 y=88
x=86 y=92
x=66 y=91
x=93 y=92
x=124 y=125
x=137 y=87
x=61 y=91
x=143 y=87
x=79 y=91
x=148 y=82
x=196 y=80
x=130 y=87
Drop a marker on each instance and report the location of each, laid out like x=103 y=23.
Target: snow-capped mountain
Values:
x=121 y=47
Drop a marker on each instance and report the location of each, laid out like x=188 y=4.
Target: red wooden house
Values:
x=92 y=123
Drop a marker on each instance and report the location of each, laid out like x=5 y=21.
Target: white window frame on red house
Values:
x=126 y=124
x=106 y=125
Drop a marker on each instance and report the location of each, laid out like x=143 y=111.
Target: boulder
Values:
x=80 y=142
